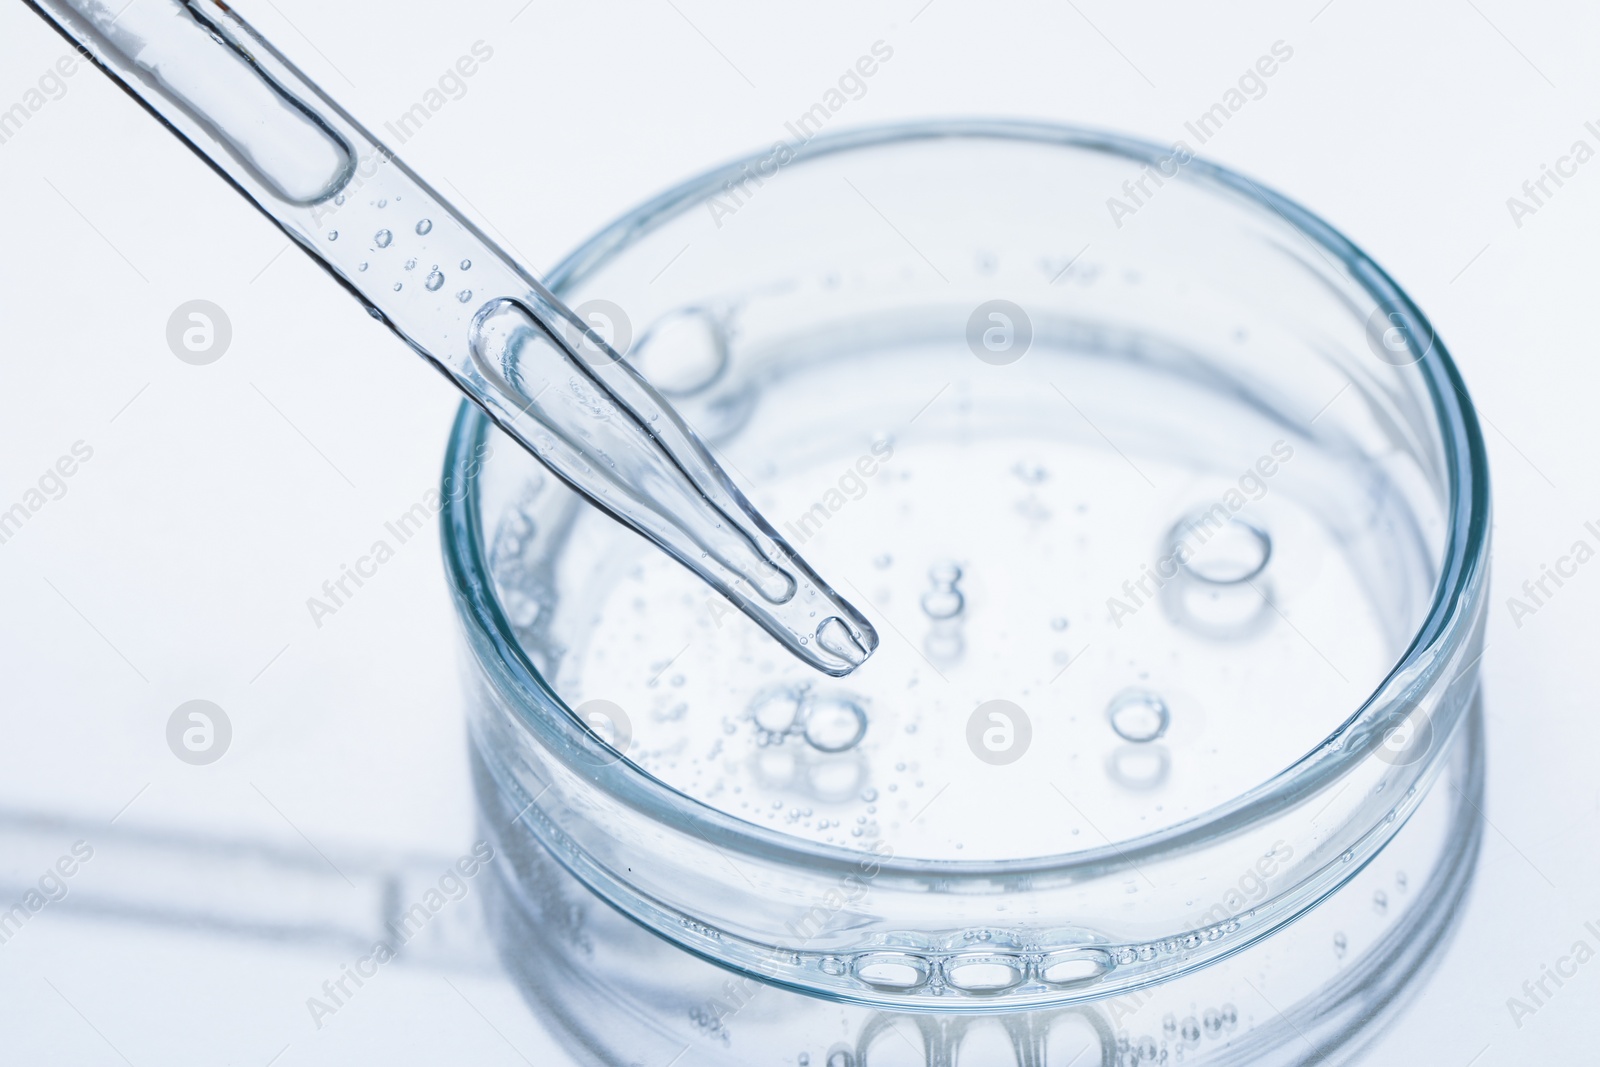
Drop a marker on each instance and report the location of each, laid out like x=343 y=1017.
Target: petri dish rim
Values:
x=1448 y=624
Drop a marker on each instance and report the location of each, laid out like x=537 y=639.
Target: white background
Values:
x=219 y=498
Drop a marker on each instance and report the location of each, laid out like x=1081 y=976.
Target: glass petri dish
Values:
x=1175 y=526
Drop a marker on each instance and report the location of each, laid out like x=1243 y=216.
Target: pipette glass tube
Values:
x=545 y=376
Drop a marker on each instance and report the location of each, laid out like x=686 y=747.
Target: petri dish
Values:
x=1175 y=532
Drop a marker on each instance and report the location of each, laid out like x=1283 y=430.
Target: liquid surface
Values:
x=1083 y=642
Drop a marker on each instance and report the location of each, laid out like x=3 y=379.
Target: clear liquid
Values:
x=1012 y=560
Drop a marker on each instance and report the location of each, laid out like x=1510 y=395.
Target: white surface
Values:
x=178 y=563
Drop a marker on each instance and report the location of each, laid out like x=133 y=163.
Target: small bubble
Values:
x=424 y=226
x=411 y=264
x=383 y=203
x=1030 y=473
x=399 y=286
x=338 y=201
x=835 y=724
x=776 y=712
x=1138 y=715
x=435 y=280
x=333 y=235
x=943 y=603
x=466 y=264
x=464 y=295
x=1058 y=623
x=362 y=265
x=382 y=238
x=883 y=561
x=1227 y=554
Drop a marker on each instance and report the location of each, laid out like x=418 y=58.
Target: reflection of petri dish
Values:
x=979 y=810
x=615 y=994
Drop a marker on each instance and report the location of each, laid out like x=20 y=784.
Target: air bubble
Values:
x=1219 y=551
x=1138 y=715
x=985 y=974
x=424 y=226
x=776 y=712
x=435 y=281
x=1066 y=968
x=333 y=235
x=944 y=600
x=382 y=238
x=466 y=264
x=464 y=295
x=834 y=724
x=895 y=971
